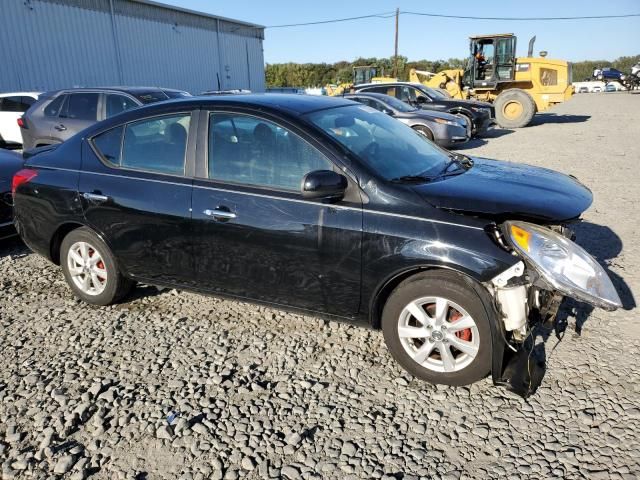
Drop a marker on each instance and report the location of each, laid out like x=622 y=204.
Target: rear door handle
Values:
x=95 y=197
x=220 y=213
x=60 y=128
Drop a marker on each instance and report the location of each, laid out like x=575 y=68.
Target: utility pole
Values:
x=395 y=55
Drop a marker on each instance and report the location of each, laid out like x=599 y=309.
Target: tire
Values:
x=424 y=131
x=435 y=287
x=514 y=108
x=107 y=289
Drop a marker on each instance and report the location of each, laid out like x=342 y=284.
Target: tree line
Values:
x=320 y=74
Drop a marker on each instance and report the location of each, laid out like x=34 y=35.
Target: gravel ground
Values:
x=177 y=385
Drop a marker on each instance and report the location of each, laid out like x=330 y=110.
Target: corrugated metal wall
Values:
x=51 y=44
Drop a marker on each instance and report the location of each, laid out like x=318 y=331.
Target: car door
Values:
x=255 y=236
x=135 y=187
x=79 y=111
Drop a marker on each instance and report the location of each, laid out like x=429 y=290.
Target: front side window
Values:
x=156 y=145
x=118 y=103
x=254 y=151
x=387 y=146
x=54 y=108
x=81 y=106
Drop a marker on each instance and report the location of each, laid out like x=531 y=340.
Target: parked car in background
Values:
x=59 y=115
x=12 y=106
x=443 y=128
x=321 y=206
x=583 y=90
x=10 y=163
x=608 y=74
x=481 y=115
x=609 y=87
x=596 y=89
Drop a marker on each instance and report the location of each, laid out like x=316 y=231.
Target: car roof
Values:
x=380 y=96
x=131 y=90
x=379 y=84
x=293 y=103
x=20 y=94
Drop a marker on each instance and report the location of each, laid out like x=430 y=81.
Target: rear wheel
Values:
x=437 y=329
x=514 y=108
x=421 y=129
x=91 y=270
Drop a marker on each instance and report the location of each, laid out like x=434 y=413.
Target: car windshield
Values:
x=389 y=147
x=397 y=104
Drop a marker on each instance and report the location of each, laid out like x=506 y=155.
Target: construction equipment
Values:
x=361 y=74
x=519 y=87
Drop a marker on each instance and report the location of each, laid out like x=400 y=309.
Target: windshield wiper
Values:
x=411 y=179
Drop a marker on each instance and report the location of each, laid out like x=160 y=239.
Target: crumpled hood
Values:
x=505 y=190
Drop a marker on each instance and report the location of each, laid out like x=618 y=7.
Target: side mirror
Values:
x=421 y=100
x=388 y=112
x=324 y=184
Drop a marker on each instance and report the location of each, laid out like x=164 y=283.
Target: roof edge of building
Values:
x=197 y=13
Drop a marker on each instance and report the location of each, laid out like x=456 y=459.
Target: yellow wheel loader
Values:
x=518 y=87
x=361 y=74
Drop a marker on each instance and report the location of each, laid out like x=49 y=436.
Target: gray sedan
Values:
x=443 y=128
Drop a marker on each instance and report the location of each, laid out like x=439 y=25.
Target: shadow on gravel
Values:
x=13 y=247
x=479 y=141
x=542 y=118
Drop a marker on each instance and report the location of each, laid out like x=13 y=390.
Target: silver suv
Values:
x=61 y=114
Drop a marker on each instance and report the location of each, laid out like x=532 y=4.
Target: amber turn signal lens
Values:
x=521 y=237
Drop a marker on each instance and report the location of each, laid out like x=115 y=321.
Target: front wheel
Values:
x=514 y=108
x=91 y=270
x=422 y=130
x=436 y=327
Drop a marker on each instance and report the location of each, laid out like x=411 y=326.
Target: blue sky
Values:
x=431 y=38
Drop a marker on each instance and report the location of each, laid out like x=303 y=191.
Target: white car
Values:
x=12 y=106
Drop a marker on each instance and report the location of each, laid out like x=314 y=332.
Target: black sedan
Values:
x=480 y=114
x=10 y=163
x=317 y=205
x=443 y=128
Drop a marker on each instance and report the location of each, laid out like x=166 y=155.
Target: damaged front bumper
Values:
x=551 y=266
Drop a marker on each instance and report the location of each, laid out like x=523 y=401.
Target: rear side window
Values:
x=15 y=104
x=118 y=103
x=54 y=108
x=156 y=145
x=81 y=106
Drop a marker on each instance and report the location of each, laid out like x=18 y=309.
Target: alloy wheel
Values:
x=87 y=268
x=438 y=334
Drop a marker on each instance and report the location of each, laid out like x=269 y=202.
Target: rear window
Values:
x=176 y=94
x=150 y=96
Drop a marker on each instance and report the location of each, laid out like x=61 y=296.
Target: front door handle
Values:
x=220 y=213
x=95 y=197
x=60 y=128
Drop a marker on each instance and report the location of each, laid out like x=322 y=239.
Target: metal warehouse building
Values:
x=52 y=44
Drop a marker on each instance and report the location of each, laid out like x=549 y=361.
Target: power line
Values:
x=348 y=19
x=460 y=17
x=535 y=19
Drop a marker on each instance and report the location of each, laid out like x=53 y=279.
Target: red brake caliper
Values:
x=100 y=264
x=461 y=334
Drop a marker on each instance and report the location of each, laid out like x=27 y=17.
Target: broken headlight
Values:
x=563 y=264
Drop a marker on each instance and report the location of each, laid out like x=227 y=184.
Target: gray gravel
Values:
x=177 y=385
